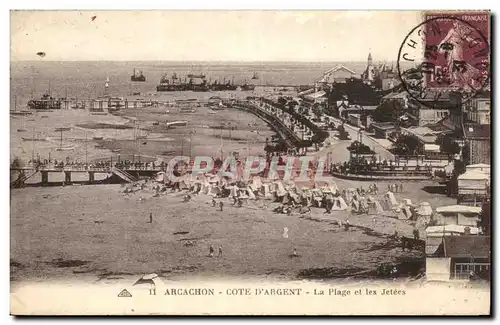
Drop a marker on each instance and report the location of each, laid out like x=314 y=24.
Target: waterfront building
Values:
x=478 y=108
x=477 y=138
x=338 y=74
x=458 y=257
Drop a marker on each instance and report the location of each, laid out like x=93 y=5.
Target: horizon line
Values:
x=224 y=61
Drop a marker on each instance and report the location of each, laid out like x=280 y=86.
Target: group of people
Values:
x=395 y=188
x=211 y=251
x=362 y=165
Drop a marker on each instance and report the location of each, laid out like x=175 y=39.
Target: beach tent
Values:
x=405 y=213
x=333 y=187
x=373 y=206
x=161 y=177
x=265 y=190
x=317 y=196
x=233 y=191
x=424 y=211
x=251 y=194
x=355 y=205
x=338 y=203
x=255 y=183
x=306 y=197
x=293 y=196
x=349 y=194
x=280 y=189
x=407 y=202
x=390 y=199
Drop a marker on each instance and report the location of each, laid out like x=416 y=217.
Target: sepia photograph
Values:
x=176 y=162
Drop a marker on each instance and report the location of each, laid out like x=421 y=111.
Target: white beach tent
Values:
x=374 y=206
x=390 y=198
x=265 y=190
x=255 y=183
x=251 y=194
x=405 y=212
x=339 y=204
x=161 y=177
x=280 y=189
x=424 y=211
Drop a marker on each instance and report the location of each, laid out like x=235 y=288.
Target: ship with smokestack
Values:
x=137 y=76
x=199 y=83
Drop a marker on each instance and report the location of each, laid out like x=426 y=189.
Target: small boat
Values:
x=98 y=138
x=22 y=130
x=99 y=113
x=45 y=116
x=34 y=139
x=156 y=123
x=99 y=146
x=65 y=148
x=137 y=77
x=116 y=150
x=20 y=113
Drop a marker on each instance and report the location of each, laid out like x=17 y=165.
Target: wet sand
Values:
x=99 y=232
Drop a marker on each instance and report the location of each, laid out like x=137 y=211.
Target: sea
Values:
x=86 y=79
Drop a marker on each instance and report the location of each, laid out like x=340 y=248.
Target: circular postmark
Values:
x=442 y=55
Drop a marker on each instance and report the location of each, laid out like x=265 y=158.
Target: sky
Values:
x=209 y=35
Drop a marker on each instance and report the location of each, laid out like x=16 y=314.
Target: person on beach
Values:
x=211 y=251
x=346 y=224
x=214 y=202
x=416 y=234
x=220 y=251
x=401 y=187
x=151 y=217
x=221 y=205
x=295 y=254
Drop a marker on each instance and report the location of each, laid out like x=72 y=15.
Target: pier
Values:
x=128 y=174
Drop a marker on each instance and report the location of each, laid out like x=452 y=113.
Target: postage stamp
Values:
x=453 y=53
x=250 y=162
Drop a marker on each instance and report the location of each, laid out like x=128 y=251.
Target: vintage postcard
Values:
x=250 y=162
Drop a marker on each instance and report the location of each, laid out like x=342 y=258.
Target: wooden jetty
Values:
x=128 y=174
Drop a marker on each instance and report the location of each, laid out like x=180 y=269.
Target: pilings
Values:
x=67 y=177
x=91 y=177
x=45 y=178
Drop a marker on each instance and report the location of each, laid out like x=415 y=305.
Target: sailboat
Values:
x=139 y=134
x=61 y=148
x=255 y=76
x=15 y=112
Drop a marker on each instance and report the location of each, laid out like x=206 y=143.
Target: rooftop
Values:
x=477 y=131
x=383 y=125
x=458 y=209
x=467 y=246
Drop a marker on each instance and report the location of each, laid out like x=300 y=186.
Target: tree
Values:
x=317 y=111
x=485 y=222
x=17 y=162
x=406 y=145
x=386 y=112
x=357 y=147
x=281 y=101
x=292 y=104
